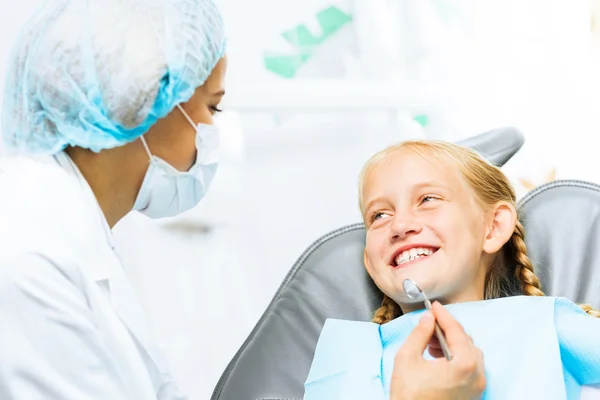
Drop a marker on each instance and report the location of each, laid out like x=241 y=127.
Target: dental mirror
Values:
x=413 y=291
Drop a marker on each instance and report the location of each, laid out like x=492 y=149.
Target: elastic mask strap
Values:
x=191 y=121
x=146 y=147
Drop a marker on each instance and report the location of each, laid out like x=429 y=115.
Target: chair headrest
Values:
x=562 y=227
x=497 y=146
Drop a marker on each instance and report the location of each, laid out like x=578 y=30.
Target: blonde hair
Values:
x=512 y=272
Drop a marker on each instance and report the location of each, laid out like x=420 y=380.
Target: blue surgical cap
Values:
x=99 y=73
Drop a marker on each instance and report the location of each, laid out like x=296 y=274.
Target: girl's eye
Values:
x=378 y=215
x=428 y=199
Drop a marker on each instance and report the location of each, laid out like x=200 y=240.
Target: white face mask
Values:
x=167 y=192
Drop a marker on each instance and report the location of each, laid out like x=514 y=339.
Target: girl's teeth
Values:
x=413 y=254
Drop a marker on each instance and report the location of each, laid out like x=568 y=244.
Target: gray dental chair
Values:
x=562 y=220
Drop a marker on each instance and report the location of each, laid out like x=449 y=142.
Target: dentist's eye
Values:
x=216 y=109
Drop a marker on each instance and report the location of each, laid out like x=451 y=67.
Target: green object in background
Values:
x=286 y=66
x=331 y=20
x=422 y=120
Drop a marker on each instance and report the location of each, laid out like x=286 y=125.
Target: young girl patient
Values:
x=440 y=215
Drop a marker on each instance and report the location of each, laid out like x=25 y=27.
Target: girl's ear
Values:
x=503 y=218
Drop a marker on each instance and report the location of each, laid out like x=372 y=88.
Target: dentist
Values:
x=108 y=108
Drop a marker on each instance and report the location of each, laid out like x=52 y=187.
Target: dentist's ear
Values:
x=502 y=225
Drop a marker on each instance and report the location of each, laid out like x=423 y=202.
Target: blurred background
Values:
x=315 y=87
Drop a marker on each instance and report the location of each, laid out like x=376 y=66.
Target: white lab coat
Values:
x=71 y=327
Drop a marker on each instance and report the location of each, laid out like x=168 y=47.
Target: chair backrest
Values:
x=327 y=281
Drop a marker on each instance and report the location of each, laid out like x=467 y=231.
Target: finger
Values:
x=453 y=330
x=434 y=342
x=416 y=343
x=436 y=352
x=434 y=345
